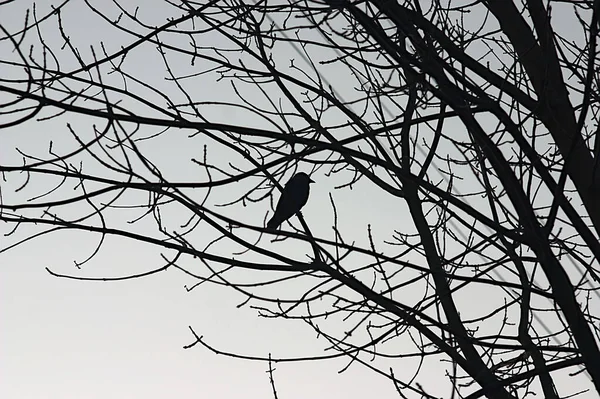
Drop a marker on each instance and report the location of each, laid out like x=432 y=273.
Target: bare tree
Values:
x=477 y=120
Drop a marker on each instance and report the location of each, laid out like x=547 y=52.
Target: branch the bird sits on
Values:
x=293 y=198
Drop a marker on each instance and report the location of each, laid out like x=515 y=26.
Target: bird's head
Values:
x=301 y=176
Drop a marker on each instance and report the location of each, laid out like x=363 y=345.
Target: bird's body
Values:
x=293 y=198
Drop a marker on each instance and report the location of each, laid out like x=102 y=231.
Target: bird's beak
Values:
x=310 y=180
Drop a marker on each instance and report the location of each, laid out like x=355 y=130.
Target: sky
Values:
x=61 y=338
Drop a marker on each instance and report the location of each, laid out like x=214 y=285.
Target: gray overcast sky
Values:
x=68 y=339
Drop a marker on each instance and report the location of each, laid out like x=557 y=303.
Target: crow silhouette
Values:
x=293 y=198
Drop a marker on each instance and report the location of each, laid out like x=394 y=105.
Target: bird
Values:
x=293 y=198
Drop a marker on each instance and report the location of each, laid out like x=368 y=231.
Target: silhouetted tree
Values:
x=477 y=120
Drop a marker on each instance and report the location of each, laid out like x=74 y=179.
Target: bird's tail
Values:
x=273 y=223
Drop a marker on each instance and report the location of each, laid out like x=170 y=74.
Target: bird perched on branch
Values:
x=293 y=198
